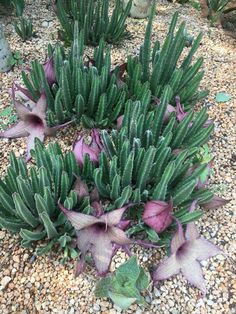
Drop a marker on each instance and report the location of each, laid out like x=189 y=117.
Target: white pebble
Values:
x=4 y=282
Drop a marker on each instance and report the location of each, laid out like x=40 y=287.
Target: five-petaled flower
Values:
x=32 y=123
x=99 y=236
x=186 y=253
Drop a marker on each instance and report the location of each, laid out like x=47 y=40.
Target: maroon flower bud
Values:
x=157 y=215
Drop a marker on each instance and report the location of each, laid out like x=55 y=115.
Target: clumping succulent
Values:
x=146 y=157
x=29 y=197
x=32 y=123
x=187 y=250
x=94 y=19
x=160 y=66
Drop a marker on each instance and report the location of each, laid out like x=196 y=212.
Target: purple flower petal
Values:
x=78 y=220
x=102 y=253
x=53 y=130
x=96 y=141
x=124 y=224
x=34 y=133
x=80 y=266
x=215 y=202
x=169 y=267
x=98 y=208
x=204 y=249
x=81 y=188
x=81 y=149
x=193 y=273
x=191 y=232
x=113 y=218
x=181 y=114
x=178 y=238
x=94 y=196
x=22 y=92
x=96 y=241
x=22 y=111
x=17 y=130
x=40 y=107
x=118 y=236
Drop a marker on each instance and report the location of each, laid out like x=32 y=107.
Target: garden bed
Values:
x=43 y=285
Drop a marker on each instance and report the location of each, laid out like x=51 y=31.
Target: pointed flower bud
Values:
x=181 y=114
x=119 y=122
x=80 y=148
x=49 y=71
x=157 y=215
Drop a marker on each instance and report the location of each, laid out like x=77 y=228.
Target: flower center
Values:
x=34 y=120
x=101 y=226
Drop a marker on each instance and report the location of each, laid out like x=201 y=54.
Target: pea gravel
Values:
x=43 y=285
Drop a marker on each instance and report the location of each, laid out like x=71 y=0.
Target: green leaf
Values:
x=143 y=280
x=103 y=287
x=120 y=300
x=222 y=97
x=152 y=235
x=128 y=272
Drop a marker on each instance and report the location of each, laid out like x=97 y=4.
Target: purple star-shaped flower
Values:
x=186 y=253
x=98 y=235
x=32 y=123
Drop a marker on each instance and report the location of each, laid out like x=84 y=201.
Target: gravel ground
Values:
x=45 y=286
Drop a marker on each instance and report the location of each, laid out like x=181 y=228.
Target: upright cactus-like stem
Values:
x=5 y=52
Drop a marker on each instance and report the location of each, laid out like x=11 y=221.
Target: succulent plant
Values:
x=24 y=28
x=89 y=92
x=93 y=17
x=29 y=197
x=160 y=66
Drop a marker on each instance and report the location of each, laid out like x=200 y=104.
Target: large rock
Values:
x=140 y=8
x=5 y=52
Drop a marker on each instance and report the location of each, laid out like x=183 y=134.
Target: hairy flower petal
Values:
x=193 y=273
x=22 y=92
x=41 y=106
x=98 y=243
x=102 y=253
x=166 y=269
x=53 y=130
x=181 y=114
x=96 y=141
x=22 y=111
x=34 y=133
x=78 y=220
x=178 y=239
x=80 y=266
x=215 y=202
x=81 y=149
x=204 y=249
x=118 y=236
x=113 y=218
x=191 y=232
x=17 y=130
x=81 y=188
